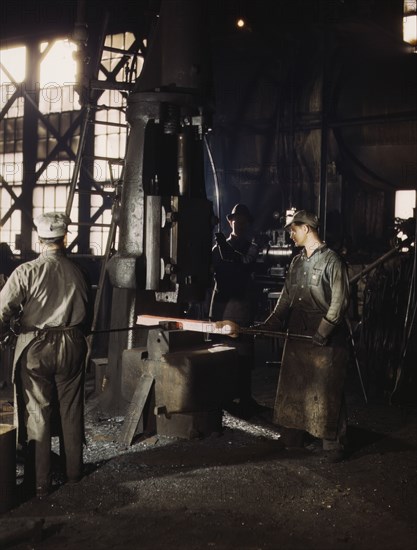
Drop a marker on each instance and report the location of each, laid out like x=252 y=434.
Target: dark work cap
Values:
x=304 y=217
x=239 y=210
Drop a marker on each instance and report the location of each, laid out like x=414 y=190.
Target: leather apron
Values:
x=311 y=380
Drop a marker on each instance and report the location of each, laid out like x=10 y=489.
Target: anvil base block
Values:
x=191 y=386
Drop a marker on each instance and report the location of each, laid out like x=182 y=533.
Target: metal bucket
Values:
x=8 y=466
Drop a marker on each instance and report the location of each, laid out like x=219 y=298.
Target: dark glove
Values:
x=324 y=330
x=227 y=253
x=220 y=239
x=319 y=340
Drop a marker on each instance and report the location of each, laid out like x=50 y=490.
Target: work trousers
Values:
x=239 y=311
x=52 y=369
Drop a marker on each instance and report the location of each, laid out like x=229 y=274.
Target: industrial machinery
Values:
x=276 y=251
x=165 y=221
x=162 y=264
x=178 y=383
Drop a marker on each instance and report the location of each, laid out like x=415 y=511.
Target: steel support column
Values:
x=30 y=141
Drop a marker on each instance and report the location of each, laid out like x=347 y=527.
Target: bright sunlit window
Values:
x=57 y=78
x=405 y=202
x=410 y=29
x=12 y=72
x=58 y=66
x=410 y=22
x=13 y=65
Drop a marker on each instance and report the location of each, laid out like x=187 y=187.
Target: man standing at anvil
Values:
x=310 y=396
x=314 y=300
x=52 y=297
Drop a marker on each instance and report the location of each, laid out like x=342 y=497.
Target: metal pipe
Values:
x=324 y=138
x=376 y=263
x=315 y=124
x=216 y=182
x=275 y=334
x=78 y=159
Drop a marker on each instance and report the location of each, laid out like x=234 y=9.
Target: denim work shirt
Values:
x=310 y=388
x=316 y=287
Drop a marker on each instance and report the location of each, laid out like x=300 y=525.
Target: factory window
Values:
x=99 y=232
x=58 y=131
x=11 y=166
x=111 y=130
x=405 y=203
x=57 y=77
x=12 y=75
x=59 y=102
x=410 y=22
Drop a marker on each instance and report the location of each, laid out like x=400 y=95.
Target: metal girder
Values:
x=16 y=94
x=69 y=132
x=49 y=126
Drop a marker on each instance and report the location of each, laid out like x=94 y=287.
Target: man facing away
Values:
x=52 y=297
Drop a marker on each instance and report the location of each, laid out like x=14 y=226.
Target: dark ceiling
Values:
x=275 y=63
x=21 y=19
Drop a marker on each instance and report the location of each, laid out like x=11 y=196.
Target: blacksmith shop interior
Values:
x=157 y=126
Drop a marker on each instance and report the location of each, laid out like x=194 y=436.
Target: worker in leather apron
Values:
x=52 y=296
x=314 y=301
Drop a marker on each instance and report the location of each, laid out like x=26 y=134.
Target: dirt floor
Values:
x=234 y=489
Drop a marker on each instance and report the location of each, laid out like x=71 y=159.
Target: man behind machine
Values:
x=53 y=298
x=234 y=296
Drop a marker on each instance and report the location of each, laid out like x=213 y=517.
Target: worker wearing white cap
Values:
x=52 y=225
x=51 y=295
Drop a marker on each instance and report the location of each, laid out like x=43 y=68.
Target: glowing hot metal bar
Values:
x=225 y=328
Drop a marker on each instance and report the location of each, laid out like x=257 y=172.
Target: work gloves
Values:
x=227 y=253
x=324 y=330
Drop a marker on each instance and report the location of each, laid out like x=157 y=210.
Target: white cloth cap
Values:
x=52 y=224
